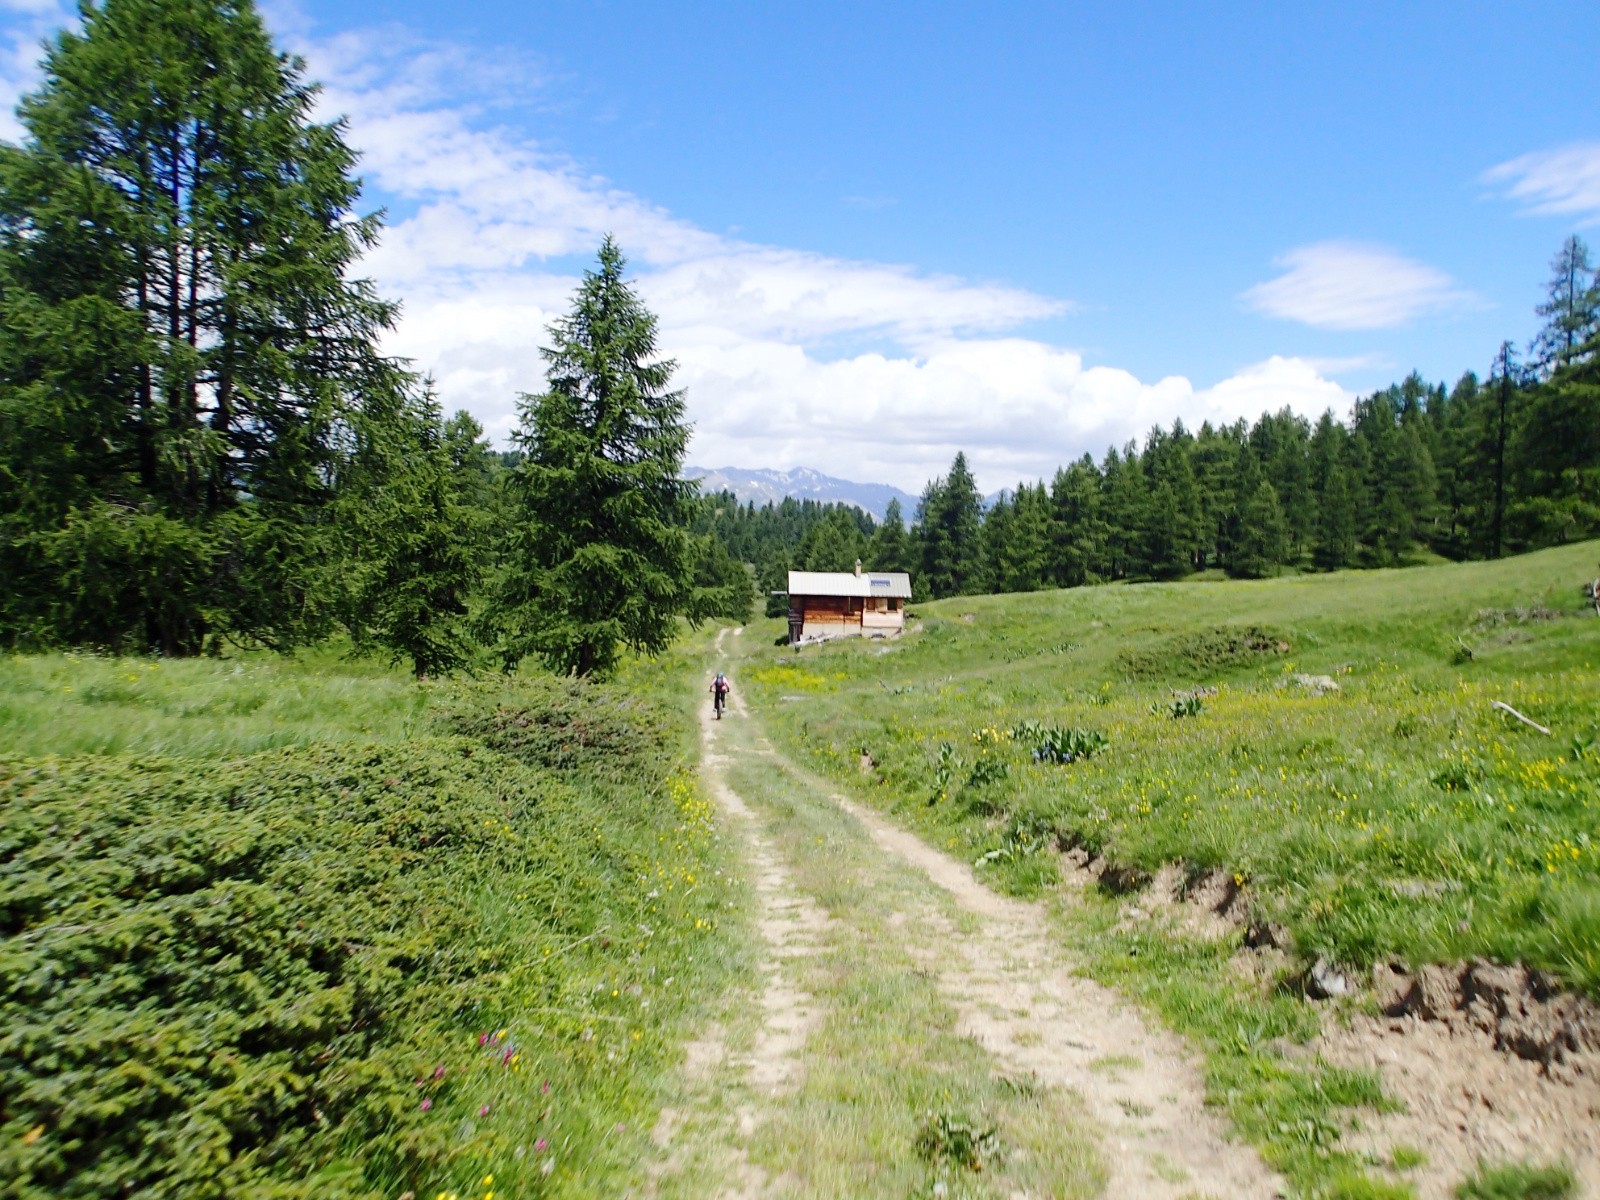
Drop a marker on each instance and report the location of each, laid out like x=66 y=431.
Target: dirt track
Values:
x=1009 y=988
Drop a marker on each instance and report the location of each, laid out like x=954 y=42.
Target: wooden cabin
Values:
x=833 y=604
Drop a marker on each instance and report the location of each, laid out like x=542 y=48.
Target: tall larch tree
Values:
x=1571 y=309
x=183 y=350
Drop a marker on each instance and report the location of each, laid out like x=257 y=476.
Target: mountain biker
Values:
x=719 y=693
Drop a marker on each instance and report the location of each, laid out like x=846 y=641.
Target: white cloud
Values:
x=485 y=263
x=20 y=52
x=494 y=226
x=1349 y=364
x=1354 y=285
x=1564 y=181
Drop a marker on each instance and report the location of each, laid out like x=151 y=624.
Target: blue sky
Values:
x=877 y=233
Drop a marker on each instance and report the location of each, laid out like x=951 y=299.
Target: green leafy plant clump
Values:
x=946 y=1140
x=1186 y=705
x=1053 y=744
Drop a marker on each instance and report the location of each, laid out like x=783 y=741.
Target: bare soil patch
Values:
x=1491 y=1063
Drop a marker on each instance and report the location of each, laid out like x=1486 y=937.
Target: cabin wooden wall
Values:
x=844 y=616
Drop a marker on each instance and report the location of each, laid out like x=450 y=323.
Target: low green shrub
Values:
x=1206 y=652
x=354 y=970
x=205 y=983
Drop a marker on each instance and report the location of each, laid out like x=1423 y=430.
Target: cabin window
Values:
x=894 y=604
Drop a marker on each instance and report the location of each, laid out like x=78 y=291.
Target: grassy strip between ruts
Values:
x=458 y=963
x=1394 y=814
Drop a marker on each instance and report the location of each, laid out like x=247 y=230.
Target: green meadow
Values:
x=1329 y=742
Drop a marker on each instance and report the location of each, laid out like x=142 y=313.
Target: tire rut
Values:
x=790 y=925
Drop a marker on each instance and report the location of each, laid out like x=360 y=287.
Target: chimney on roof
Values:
x=858 y=568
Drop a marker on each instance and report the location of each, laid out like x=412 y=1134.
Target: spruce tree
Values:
x=890 y=548
x=1125 y=503
x=1076 y=552
x=721 y=587
x=1027 y=566
x=1334 y=544
x=995 y=540
x=948 y=534
x=182 y=351
x=833 y=544
x=599 y=556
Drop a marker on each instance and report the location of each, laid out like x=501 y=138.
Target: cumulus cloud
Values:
x=1562 y=182
x=1019 y=408
x=870 y=370
x=486 y=258
x=1354 y=285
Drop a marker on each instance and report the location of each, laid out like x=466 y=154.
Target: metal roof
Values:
x=848 y=583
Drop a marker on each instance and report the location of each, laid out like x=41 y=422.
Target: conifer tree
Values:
x=1246 y=486
x=722 y=587
x=890 y=548
x=1556 y=449
x=1571 y=309
x=182 y=351
x=1334 y=546
x=1263 y=537
x=416 y=554
x=1171 y=532
x=1077 y=530
x=1214 y=458
x=1334 y=534
x=1016 y=538
x=599 y=556
x=1027 y=568
x=1125 y=503
x=948 y=530
x=832 y=544
x=1500 y=414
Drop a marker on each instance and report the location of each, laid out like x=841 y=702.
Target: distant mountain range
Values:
x=759 y=485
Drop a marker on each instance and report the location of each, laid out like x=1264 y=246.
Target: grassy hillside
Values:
x=441 y=940
x=1396 y=815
